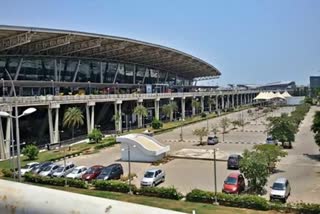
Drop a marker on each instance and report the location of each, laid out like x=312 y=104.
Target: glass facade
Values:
x=67 y=70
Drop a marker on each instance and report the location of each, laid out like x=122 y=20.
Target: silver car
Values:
x=63 y=171
x=280 y=190
x=153 y=177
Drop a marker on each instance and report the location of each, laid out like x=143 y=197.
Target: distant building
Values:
x=314 y=82
x=282 y=85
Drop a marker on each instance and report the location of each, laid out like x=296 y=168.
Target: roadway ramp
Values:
x=19 y=198
x=142 y=148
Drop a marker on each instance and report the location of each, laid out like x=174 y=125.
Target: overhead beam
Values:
x=16 y=40
x=108 y=50
x=48 y=44
x=125 y=54
x=80 y=46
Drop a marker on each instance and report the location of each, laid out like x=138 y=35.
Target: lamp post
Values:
x=16 y=117
x=129 y=166
x=52 y=86
x=215 y=175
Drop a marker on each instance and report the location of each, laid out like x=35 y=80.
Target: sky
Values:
x=249 y=41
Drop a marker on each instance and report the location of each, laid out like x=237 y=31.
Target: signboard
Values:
x=149 y=89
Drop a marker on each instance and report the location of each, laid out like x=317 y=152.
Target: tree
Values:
x=169 y=109
x=201 y=132
x=235 y=123
x=72 y=118
x=31 y=151
x=308 y=100
x=282 y=129
x=317 y=138
x=273 y=153
x=316 y=122
x=215 y=129
x=254 y=166
x=140 y=111
x=242 y=123
x=95 y=135
x=196 y=105
x=224 y=124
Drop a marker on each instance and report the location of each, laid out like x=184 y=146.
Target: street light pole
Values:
x=181 y=130
x=215 y=176
x=52 y=85
x=129 y=166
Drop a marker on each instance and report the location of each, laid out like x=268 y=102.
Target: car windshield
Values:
x=149 y=174
x=75 y=171
x=230 y=180
x=278 y=186
x=60 y=169
x=269 y=139
x=91 y=170
x=105 y=171
x=210 y=138
x=48 y=168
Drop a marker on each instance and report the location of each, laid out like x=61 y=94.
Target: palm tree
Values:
x=140 y=111
x=169 y=109
x=73 y=117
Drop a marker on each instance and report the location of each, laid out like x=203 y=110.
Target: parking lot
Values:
x=301 y=166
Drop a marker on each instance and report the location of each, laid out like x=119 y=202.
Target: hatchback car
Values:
x=271 y=141
x=49 y=170
x=113 y=171
x=212 y=140
x=234 y=183
x=77 y=172
x=63 y=171
x=153 y=177
x=92 y=173
x=280 y=190
x=28 y=168
x=234 y=161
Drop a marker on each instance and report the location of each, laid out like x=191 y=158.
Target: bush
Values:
x=126 y=178
x=156 y=124
x=114 y=186
x=110 y=142
x=203 y=114
x=308 y=208
x=31 y=151
x=7 y=173
x=243 y=201
x=161 y=192
x=95 y=135
x=29 y=177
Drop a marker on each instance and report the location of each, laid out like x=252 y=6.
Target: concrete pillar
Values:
x=210 y=100
x=120 y=121
x=202 y=104
x=171 y=113
x=140 y=102
x=56 y=126
x=237 y=99
x=8 y=136
x=193 y=108
x=2 y=143
x=222 y=102
x=115 y=115
x=245 y=99
x=183 y=108
x=217 y=102
x=50 y=125
x=241 y=99
x=90 y=116
x=156 y=108
x=88 y=119
x=228 y=101
x=232 y=101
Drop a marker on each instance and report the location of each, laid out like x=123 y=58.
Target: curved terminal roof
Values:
x=29 y=41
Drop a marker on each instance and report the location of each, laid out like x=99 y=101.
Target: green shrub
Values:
x=161 y=192
x=31 y=151
x=7 y=173
x=29 y=177
x=243 y=201
x=109 y=142
x=203 y=114
x=308 y=208
x=156 y=124
x=95 y=135
x=114 y=186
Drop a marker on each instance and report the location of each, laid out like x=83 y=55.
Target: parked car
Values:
x=271 y=141
x=28 y=167
x=113 y=171
x=37 y=169
x=153 y=177
x=49 y=170
x=77 y=172
x=280 y=190
x=92 y=173
x=234 y=183
x=212 y=140
x=234 y=161
x=63 y=171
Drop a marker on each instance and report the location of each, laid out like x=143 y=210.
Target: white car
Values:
x=63 y=171
x=49 y=170
x=280 y=190
x=153 y=177
x=77 y=172
x=28 y=168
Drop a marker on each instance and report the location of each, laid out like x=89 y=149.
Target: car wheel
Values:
x=284 y=200
x=163 y=178
x=271 y=199
x=153 y=184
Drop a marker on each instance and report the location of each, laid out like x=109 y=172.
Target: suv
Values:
x=234 y=161
x=212 y=140
x=113 y=171
x=280 y=190
x=234 y=183
x=152 y=177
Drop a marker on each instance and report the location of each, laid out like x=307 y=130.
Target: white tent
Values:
x=260 y=96
x=286 y=94
x=278 y=96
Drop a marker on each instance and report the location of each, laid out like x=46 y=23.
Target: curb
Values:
x=192 y=158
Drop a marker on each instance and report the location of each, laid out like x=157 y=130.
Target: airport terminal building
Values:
x=102 y=75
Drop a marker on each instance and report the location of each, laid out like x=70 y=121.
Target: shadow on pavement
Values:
x=313 y=156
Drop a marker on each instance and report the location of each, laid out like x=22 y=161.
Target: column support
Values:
x=202 y=104
x=50 y=125
x=193 y=108
x=217 y=102
x=183 y=108
x=156 y=108
x=56 y=126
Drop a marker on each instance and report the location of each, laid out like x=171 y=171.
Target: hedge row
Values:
x=114 y=186
x=105 y=145
x=243 y=201
x=29 y=177
x=161 y=192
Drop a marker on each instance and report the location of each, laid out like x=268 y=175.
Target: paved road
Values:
x=28 y=199
x=302 y=165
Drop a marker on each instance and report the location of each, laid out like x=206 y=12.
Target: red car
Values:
x=234 y=183
x=92 y=173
